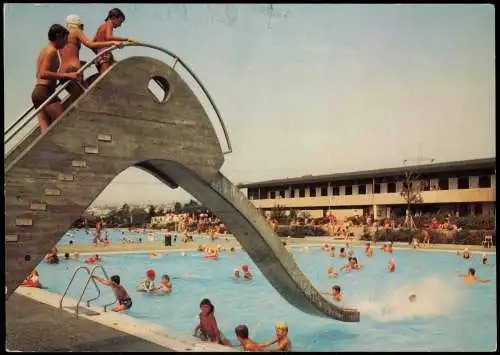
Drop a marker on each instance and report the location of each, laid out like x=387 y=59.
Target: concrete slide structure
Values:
x=51 y=178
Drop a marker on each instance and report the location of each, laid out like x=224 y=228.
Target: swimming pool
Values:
x=80 y=236
x=448 y=315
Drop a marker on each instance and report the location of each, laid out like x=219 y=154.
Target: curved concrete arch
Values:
x=51 y=179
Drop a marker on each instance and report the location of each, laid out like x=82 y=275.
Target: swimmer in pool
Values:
x=350 y=252
x=368 y=250
x=484 y=259
x=356 y=265
x=236 y=273
x=466 y=254
x=246 y=343
x=165 y=284
x=284 y=343
x=391 y=267
x=330 y=271
x=325 y=247
x=349 y=266
x=247 y=275
x=148 y=284
x=342 y=253
x=335 y=293
x=471 y=277
x=332 y=252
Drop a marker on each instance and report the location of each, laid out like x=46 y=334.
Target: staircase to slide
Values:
x=52 y=177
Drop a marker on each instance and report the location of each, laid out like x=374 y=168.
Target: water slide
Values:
x=52 y=178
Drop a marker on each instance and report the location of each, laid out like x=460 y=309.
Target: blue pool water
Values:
x=448 y=315
x=82 y=237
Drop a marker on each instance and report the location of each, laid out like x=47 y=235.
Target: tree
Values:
x=160 y=212
x=151 y=213
x=124 y=214
x=411 y=192
x=278 y=212
x=177 y=207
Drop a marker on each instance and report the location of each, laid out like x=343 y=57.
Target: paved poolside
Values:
x=35 y=326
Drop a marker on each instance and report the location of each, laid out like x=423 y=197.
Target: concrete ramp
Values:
x=52 y=179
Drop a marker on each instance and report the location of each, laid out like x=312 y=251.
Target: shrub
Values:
x=300 y=231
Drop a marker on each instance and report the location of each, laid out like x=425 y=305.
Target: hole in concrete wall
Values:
x=159 y=87
x=27 y=257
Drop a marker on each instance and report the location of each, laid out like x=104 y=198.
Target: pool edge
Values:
x=170 y=340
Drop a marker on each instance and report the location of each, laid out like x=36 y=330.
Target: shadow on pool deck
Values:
x=34 y=326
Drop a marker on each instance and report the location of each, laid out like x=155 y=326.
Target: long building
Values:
x=461 y=188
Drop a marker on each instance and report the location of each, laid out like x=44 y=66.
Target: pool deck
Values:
x=190 y=246
x=34 y=326
x=35 y=323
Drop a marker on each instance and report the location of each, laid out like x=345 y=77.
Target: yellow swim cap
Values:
x=283 y=326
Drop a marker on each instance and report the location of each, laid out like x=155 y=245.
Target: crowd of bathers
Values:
x=207 y=328
x=59 y=61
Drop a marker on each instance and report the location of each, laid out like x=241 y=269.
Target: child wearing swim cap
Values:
x=246 y=273
x=148 y=284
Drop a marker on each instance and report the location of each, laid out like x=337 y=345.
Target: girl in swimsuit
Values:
x=208 y=329
x=70 y=54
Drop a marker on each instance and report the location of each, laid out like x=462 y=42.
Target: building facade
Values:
x=461 y=188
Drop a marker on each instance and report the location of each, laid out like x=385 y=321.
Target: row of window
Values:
x=443 y=184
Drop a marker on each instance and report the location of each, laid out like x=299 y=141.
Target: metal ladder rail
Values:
x=110 y=49
x=71 y=281
x=86 y=285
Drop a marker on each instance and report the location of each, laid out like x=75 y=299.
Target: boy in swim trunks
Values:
x=104 y=33
x=124 y=300
x=47 y=74
x=284 y=343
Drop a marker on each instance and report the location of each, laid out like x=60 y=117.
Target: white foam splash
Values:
x=435 y=297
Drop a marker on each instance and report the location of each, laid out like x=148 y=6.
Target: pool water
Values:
x=448 y=315
x=79 y=236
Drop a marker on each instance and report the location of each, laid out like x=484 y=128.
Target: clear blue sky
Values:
x=304 y=89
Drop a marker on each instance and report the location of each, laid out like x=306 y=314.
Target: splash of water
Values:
x=434 y=297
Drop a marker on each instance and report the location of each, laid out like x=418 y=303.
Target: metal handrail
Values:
x=86 y=65
x=85 y=287
x=71 y=281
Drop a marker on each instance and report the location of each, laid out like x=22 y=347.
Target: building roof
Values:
x=421 y=169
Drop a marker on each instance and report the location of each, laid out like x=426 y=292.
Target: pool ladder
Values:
x=90 y=273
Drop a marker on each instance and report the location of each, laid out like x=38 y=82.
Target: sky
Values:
x=303 y=89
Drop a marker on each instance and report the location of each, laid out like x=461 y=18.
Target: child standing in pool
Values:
x=391 y=267
x=208 y=329
x=124 y=300
x=148 y=284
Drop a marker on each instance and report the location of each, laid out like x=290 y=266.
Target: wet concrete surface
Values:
x=34 y=326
